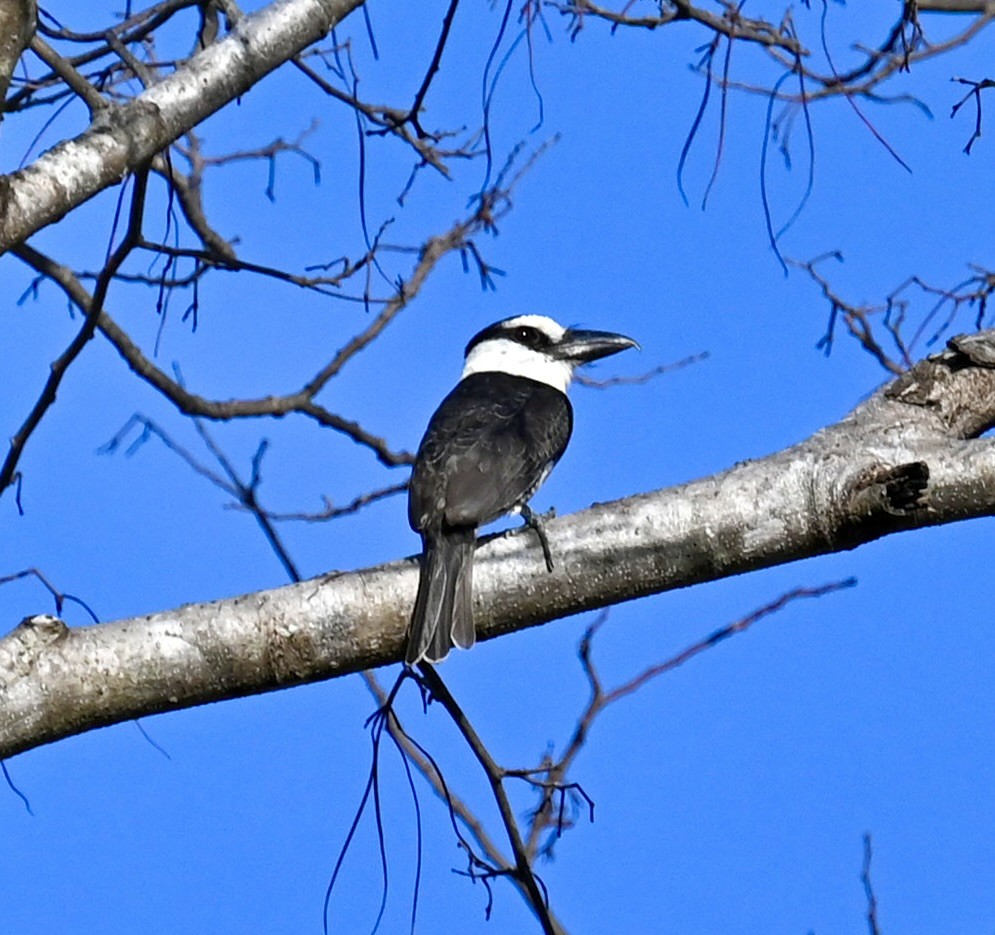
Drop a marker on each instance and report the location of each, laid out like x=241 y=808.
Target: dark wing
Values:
x=486 y=450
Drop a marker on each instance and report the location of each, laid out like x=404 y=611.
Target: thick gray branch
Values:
x=17 y=26
x=124 y=137
x=907 y=457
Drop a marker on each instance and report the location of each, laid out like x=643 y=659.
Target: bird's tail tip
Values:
x=443 y=613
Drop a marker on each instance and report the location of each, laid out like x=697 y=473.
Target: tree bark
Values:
x=908 y=457
x=17 y=26
x=122 y=138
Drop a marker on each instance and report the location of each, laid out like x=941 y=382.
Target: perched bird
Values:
x=488 y=447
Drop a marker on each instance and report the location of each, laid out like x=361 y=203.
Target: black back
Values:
x=486 y=450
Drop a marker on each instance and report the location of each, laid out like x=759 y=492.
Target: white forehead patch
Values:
x=544 y=324
x=501 y=355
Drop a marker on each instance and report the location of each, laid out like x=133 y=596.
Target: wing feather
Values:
x=487 y=449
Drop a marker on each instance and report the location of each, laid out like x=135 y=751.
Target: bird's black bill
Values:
x=584 y=346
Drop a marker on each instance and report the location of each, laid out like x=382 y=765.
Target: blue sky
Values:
x=732 y=795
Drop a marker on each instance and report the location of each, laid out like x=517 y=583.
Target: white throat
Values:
x=503 y=356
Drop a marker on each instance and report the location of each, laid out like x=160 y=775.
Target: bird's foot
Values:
x=535 y=521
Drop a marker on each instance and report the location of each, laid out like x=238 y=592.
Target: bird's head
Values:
x=539 y=348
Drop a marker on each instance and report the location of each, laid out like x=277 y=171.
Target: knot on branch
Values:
x=895 y=491
x=21 y=649
x=974 y=349
x=878 y=500
x=958 y=385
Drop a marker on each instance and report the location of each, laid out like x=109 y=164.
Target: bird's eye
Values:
x=531 y=337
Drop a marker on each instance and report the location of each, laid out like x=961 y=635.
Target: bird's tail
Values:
x=443 y=615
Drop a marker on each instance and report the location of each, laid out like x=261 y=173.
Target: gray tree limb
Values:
x=123 y=137
x=908 y=457
x=17 y=26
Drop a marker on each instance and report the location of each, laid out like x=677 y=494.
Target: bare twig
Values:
x=641 y=378
x=865 y=878
x=489 y=207
x=199 y=162
x=493 y=863
x=857 y=319
x=433 y=68
x=65 y=70
x=495 y=774
x=893 y=314
x=730 y=23
x=60 y=597
x=547 y=814
x=94 y=310
x=331 y=511
x=974 y=94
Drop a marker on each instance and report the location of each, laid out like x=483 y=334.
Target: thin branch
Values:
x=894 y=313
x=94 y=310
x=855 y=318
x=64 y=69
x=641 y=378
x=489 y=208
x=740 y=626
x=60 y=597
x=133 y=133
x=247 y=494
x=389 y=120
x=850 y=97
x=730 y=23
x=431 y=775
x=865 y=878
x=269 y=152
x=131 y=29
x=191 y=404
x=416 y=106
x=331 y=511
x=495 y=775
x=974 y=94
x=555 y=772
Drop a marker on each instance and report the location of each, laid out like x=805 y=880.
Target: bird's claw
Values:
x=534 y=521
